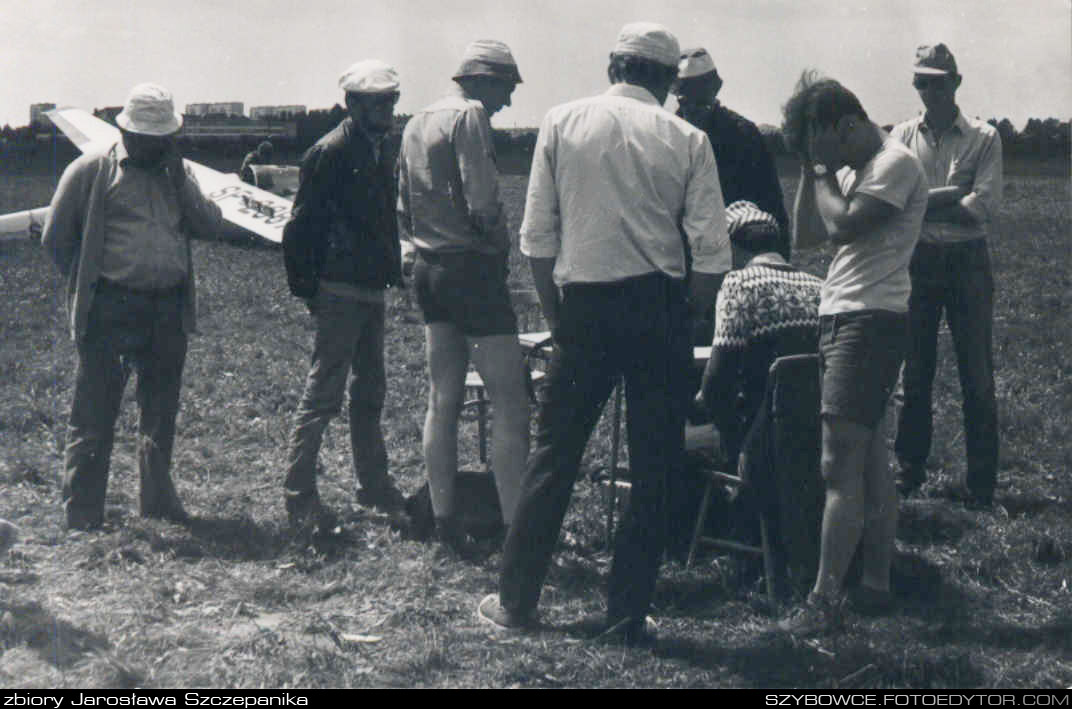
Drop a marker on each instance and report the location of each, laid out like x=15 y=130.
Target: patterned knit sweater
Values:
x=768 y=309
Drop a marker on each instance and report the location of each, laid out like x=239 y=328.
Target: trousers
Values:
x=957 y=279
x=638 y=330
x=348 y=346
x=128 y=332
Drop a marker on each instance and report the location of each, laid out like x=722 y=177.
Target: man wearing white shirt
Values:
x=624 y=226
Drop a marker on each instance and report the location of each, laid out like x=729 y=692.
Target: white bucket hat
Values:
x=488 y=57
x=149 y=110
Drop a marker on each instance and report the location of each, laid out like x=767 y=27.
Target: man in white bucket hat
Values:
x=119 y=229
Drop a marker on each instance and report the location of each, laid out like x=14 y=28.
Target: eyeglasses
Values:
x=921 y=82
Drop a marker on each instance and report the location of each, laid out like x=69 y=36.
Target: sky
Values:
x=1015 y=55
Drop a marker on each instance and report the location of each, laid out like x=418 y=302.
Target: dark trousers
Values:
x=348 y=346
x=638 y=329
x=956 y=278
x=127 y=331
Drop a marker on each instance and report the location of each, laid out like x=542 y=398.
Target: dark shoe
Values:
x=452 y=538
x=172 y=512
x=9 y=534
x=158 y=498
x=490 y=611
x=387 y=498
x=82 y=518
x=305 y=510
x=979 y=502
x=910 y=479
x=634 y=632
x=870 y=601
x=975 y=501
x=818 y=616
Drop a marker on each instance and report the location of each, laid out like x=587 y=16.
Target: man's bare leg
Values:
x=846 y=446
x=499 y=360
x=880 y=529
x=448 y=360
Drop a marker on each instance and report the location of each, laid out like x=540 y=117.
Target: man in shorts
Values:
x=867 y=194
x=449 y=208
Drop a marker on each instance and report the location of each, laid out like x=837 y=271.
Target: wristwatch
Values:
x=819 y=169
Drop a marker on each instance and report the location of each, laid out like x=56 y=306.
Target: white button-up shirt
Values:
x=969 y=153
x=615 y=180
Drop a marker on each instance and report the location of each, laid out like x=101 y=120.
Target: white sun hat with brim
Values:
x=488 y=57
x=149 y=110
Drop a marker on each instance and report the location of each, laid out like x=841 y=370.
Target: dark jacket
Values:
x=746 y=169
x=343 y=226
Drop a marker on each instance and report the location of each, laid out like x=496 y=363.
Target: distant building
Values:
x=223 y=108
x=37 y=113
x=275 y=113
x=196 y=127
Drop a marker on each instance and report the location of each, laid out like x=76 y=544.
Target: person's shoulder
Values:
x=893 y=151
x=727 y=117
x=92 y=161
x=981 y=127
x=334 y=139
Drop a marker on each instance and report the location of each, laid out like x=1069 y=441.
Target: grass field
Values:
x=234 y=601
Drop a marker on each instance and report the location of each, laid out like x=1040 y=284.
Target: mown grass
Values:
x=235 y=601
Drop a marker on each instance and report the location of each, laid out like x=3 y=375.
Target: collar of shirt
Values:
x=768 y=258
x=632 y=91
x=960 y=124
x=360 y=140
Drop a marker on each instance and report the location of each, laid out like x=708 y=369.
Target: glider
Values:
x=257 y=210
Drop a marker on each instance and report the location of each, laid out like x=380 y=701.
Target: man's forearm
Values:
x=544 y=282
x=703 y=289
x=808 y=229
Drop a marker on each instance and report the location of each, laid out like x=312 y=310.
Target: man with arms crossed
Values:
x=866 y=193
x=119 y=229
x=621 y=192
x=448 y=206
x=950 y=270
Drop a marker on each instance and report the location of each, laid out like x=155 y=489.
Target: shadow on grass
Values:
x=777 y=660
x=1055 y=635
x=933 y=522
x=1031 y=505
x=55 y=641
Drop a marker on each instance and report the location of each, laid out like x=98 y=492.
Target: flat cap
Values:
x=648 y=40
x=370 y=76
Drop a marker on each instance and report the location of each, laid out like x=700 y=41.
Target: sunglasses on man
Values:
x=921 y=81
x=381 y=100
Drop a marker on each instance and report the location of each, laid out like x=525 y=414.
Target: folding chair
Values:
x=782 y=476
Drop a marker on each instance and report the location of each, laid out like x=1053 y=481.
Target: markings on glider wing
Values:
x=273 y=213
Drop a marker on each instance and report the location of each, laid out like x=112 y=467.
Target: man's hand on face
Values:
x=824 y=145
x=176 y=172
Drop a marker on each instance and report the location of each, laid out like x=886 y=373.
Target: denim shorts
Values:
x=860 y=355
x=467 y=290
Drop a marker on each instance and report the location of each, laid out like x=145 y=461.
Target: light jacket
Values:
x=74 y=232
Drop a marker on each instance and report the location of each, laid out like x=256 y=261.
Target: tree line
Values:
x=1040 y=139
